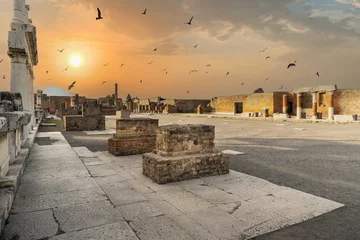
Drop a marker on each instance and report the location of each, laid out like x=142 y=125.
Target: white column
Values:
x=19 y=9
x=314 y=106
x=331 y=106
x=38 y=95
x=19 y=78
x=298 y=106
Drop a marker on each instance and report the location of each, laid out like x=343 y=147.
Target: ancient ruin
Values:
x=91 y=118
x=184 y=152
x=133 y=136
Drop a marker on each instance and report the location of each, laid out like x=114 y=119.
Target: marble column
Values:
x=39 y=94
x=314 y=105
x=285 y=104
x=298 y=108
x=331 y=106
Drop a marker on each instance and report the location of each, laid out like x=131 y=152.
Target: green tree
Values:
x=129 y=99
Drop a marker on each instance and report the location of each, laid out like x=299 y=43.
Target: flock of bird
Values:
x=100 y=17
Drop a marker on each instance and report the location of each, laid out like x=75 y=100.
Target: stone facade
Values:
x=133 y=136
x=184 y=152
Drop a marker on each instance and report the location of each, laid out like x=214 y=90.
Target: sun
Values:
x=75 y=61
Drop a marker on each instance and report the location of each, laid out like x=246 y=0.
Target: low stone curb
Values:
x=9 y=184
x=269 y=119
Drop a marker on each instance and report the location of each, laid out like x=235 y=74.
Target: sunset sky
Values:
x=322 y=35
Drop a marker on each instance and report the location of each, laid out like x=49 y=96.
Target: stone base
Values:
x=80 y=123
x=131 y=145
x=173 y=169
x=345 y=118
x=280 y=116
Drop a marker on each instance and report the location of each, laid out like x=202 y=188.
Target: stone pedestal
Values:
x=298 y=108
x=133 y=136
x=184 y=152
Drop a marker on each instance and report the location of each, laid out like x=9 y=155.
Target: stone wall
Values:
x=226 y=104
x=80 y=123
x=347 y=101
x=255 y=102
x=184 y=152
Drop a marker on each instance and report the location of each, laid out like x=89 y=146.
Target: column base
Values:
x=298 y=113
x=314 y=118
x=331 y=113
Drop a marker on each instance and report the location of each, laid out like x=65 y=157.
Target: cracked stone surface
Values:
x=71 y=193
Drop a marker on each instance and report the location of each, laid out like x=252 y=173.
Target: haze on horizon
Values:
x=323 y=36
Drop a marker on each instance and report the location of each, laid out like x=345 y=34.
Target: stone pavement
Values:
x=73 y=193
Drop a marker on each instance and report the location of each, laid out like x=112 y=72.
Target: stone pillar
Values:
x=331 y=106
x=116 y=96
x=285 y=104
x=39 y=94
x=314 y=105
x=298 y=108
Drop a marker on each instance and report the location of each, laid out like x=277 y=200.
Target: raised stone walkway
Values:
x=73 y=193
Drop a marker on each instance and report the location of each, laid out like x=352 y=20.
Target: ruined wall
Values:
x=347 y=101
x=255 y=102
x=226 y=104
x=189 y=105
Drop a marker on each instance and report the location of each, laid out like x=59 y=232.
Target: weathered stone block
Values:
x=123 y=114
x=80 y=123
x=345 y=118
x=7 y=106
x=173 y=169
x=280 y=116
x=180 y=140
x=4 y=156
x=136 y=126
x=131 y=145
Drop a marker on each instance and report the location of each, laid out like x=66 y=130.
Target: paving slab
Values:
x=138 y=186
x=220 y=223
x=101 y=170
x=55 y=186
x=95 y=161
x=53 y=175
x=108 y=181
x=83 y=152
x=46 y=201
x=121 y=195
x=33 y=225
x=114 y=231
x=167 y=208
x=212 y=194
x=139 y=210
x=192 y=228
x=158 y=228
x=81 y=216
x=185 y=201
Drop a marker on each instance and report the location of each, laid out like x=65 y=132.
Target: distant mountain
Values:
x=56 y=91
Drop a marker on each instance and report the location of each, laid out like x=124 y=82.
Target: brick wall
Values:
x=136 y=126
x=226 y=104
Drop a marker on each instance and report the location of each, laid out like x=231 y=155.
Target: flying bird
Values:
x=47 y=72
x=242 y=84
x=207 y=72
x=1 y=60
x=155 y=49
x=267 y=79
x=227 y=73
x=49 y=79
x=267 y=57
x=61 y=50
x=65 y=69
x=99 y=17
x=318 y=74
x=105 y=65
x=145 y=11
x=4 y=77
x=188 y=91
x=281 y=87
x=150 y=62
x=103 y=82
x=208 y=65
x=71 y=86
x=291 y=65
x=263 y=50
x=189 y=23
x=196 y=46
x=166 y=73
x=164 y=69
x=140 y=81
x=122 y=65
x=193 y=71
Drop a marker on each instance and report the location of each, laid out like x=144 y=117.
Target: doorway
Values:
x=238 y=107
x=289 y=108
